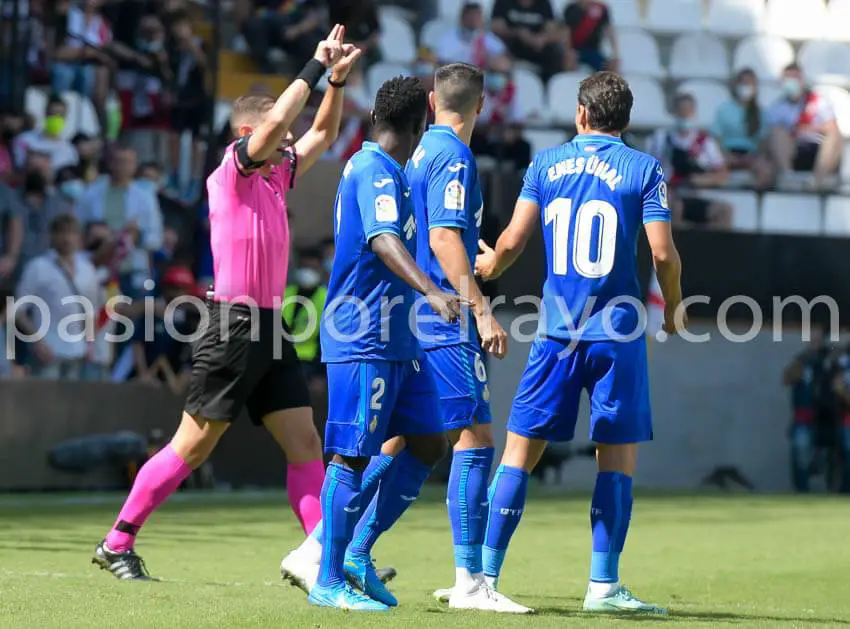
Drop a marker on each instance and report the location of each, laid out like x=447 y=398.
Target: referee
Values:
x=241 y=362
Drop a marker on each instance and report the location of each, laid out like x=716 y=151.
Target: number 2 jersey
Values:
x=594 y=195
x=446 y=192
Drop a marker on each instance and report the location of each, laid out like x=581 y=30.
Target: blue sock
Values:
x=340 y=505
x=610 y=512
x=373 y=473
x=507 y=501
x=467 y=504
x=398 y=489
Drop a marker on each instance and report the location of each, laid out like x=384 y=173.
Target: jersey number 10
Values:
x=558 y=214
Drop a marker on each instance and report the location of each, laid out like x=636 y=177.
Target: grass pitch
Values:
x=713 y=560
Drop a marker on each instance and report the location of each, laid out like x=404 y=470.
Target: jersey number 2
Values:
x=558 y=214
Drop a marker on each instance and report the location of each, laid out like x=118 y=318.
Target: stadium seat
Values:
x=836 y=220
x=840 y=100
x=796 y=19
x=542 y=139
x=35 y=100
x=736 y=18
x=398 y=45
x=650 y=108
x=530 y=96
x=639 y=53
x=745 y=207
x=73 y=101
x=845 y=166
x=380 y=72
x=709 y=96
x=670 y=17
x=88 y=122
x=432 y=33
x=783 y=213
x=626 y=14
x=837 y=19
x=767 y=55
x=826 y=62
x=699 y=56
x=562 y=96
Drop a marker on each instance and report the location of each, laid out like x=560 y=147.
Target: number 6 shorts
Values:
x=461 y=384
x=371 y=401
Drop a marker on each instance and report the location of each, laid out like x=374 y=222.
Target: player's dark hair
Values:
x=468 y=7
x=400 y=105
x=459 y=87
x=608 y=100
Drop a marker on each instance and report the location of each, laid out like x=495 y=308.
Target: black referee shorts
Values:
x=232 y=372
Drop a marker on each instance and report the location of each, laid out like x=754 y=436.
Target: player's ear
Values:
x=372 y=118
x=244 y=130
x=581 y=117
x=432 y=101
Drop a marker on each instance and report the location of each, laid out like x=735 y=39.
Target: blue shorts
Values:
x=371 y=401
x=461 y=384
x=615 y=377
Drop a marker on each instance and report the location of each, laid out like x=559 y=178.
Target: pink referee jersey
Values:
x=249 y=231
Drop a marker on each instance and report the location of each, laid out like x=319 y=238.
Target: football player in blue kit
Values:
x=591 y=197
x=380 y=384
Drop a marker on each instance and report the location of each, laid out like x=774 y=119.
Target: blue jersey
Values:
x=366 y=316
x=446 y=193
x=594 y=195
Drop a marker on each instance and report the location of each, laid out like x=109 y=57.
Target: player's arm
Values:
x=266 y=138
x=448 y=203
x=665 y=256
x=325 y=130
x=379 y=199
x=491 y=263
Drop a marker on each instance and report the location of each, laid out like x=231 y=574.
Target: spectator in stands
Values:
x=99 y=245
x=131 y=210
x=69 y=185
x=165 y=358
x=189 y=99
x=692 y=160
x=740 y=128
x=174 y=212
x=362 y=28
x=89 y=154
x=9 y=369
x=589 y=25
x=62 y=280
x=49 y=140
x=472 y=43
x=304 y=300
x=82 y=63
x=11 y=233
x=38 y=205
x=11 y=124
x=295 y=26
x=529 y=29
x=804 y=134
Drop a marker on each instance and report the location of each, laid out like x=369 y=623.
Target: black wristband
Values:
x=337 y=84
x=312 y=73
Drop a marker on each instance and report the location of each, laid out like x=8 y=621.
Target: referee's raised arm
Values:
x=267 y=137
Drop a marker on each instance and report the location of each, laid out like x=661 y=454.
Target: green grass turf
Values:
x=714 y=560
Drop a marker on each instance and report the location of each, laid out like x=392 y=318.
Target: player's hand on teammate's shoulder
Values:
x=485 y=262
x=447 y=305
x=494 y=339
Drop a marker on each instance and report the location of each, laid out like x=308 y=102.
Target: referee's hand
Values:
x=447 y=305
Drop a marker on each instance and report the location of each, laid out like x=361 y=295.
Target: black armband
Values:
x=312 y=73
x=241 y=151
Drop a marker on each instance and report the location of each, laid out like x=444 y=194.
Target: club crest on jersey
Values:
x=662 y=195
x=410 y=227
x=386 y=209
x=454 y=196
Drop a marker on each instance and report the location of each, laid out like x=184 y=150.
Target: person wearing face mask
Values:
x=48 y=139
x=89 y=153
x=303 y=302
x=472 y=43
x=739 y=126
x=692 y=160
x=70 y=185
x=804 y=133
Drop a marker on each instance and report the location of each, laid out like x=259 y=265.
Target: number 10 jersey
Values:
x=594 y=195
